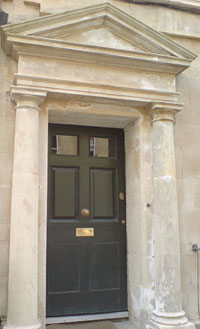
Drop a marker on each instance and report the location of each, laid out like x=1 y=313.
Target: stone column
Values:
x=168 y=311
x=23 y=260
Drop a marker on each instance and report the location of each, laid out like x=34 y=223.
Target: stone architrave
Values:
x=168 y=312
x=23 y=261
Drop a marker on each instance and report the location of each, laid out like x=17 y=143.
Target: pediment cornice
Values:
x=43 y=37
x=45 y=47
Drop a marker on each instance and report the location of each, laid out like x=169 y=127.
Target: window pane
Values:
x=103 y=147
x=65 y=145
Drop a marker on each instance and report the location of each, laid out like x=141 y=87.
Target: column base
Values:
x=34 y=326
x=197 y=324
x=155 y=325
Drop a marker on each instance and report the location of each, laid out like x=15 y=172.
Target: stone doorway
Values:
x=79 y=83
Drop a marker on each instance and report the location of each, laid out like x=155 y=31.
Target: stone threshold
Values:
x=90 y=317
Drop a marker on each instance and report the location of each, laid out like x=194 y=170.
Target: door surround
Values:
x=62 y=82
x=137 y=124
x=137 y=128
x=139 y=189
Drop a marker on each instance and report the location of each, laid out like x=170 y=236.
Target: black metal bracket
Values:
x=3 y=18
x=195 y=247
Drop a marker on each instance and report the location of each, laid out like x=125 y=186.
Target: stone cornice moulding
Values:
x=139 y=101
x=183 y=35
x=193 y=5
x=32 y=3
x=43 y=47
x=66 y=88
x=158 y=52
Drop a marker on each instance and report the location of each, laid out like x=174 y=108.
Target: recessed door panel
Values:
x=65 y=192
x=86 y=243
x=102 y=192
x=104 y=270
x=64 y=270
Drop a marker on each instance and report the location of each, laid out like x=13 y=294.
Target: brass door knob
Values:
x=85 y=212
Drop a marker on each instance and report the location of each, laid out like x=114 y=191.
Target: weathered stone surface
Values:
x=114 y=95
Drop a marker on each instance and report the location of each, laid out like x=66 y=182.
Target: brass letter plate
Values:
x=86 y=231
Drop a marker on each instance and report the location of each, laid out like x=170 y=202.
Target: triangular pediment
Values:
x=102 y=26
x=100 y=37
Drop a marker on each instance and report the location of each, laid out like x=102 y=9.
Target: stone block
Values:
x=19 y=11
x=194 y=91
x=5 y=169
x=49 y=6
x=189 y=267
x=3 y=295
x=190 y=301
x=7 y=136
x=182 y=84
x=5 y=204
x=142 y=13
x=4 y=254
x=4 y=232
x=191 y=150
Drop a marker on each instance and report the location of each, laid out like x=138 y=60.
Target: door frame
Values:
x=137 y=129
x=116 y=163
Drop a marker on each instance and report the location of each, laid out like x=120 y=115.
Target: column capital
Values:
x=29 y=99
x=164 y=111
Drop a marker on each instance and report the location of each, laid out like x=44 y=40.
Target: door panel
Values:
x=66 y=192
x=104 y=266
x=61 y=279
x=102 y=193
x=86 y=274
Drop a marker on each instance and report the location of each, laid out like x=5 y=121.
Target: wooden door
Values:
x=86 y=252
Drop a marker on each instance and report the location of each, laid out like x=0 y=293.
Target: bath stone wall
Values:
x=7 y=121
x=162 y=19
x=50 y=6
x=166 y=19
x=187 y=142
x=19 y=11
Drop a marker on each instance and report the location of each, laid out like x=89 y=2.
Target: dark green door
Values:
x=86 y=253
